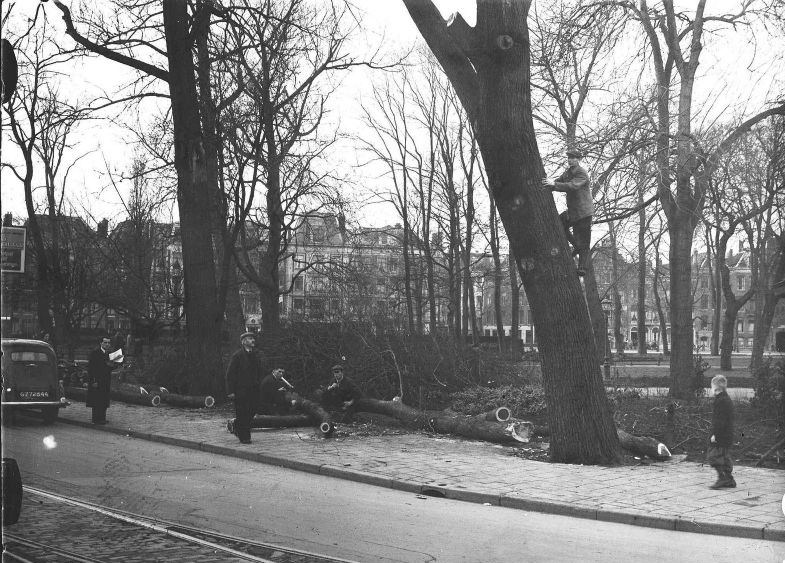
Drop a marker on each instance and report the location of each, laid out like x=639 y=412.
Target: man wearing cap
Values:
x=243 y=377
x=342 y=392
x=577 y=219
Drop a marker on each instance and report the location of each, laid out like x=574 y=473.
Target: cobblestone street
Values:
x=53 y=531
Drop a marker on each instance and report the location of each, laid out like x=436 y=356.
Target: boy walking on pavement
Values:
x=721 y=434
x=580 y=208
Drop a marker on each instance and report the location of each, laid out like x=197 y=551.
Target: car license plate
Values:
x=33 y=394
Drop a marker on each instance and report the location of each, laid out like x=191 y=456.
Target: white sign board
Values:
x=13 y=249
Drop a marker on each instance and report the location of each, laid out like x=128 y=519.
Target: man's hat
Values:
x=337 y=367
x=246 y=334
x=574 y=154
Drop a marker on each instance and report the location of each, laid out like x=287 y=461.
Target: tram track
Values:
x=240 y=548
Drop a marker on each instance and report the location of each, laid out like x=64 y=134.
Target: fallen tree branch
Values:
x=275 y=421
x=476 y=427
x=315 y=410
x=643 y=446
x=121 y=395
x=193 y=401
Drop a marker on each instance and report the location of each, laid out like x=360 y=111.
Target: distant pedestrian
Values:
x=580 y=208
x=721 y=434
x=243 y=377
x=341 y=393
x=117 y=340
x=272 y=395
x=99 y=380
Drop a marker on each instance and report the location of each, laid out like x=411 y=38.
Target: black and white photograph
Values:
x=393 y=281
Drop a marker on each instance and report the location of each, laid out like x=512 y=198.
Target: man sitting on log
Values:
x=341 y=393
x=272 y=394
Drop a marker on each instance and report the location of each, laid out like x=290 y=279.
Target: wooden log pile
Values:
x=123 y=395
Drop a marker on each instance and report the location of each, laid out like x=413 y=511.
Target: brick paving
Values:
x=93 y=535
x=672 y=495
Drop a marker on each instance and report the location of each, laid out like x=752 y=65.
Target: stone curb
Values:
x=508 y=501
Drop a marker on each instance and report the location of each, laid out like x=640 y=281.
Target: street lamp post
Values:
x=606 y=365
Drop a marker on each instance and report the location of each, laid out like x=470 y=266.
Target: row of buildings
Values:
x=331 y=274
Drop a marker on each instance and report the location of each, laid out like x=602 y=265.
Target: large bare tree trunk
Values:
x=488 y=66
x=681 y=306
x=642 y=271
x=515 y=303
x=194 y=197
x=766 y=305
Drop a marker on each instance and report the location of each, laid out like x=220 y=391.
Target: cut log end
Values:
x=327 y=429
x=155 y=400
x=209 y=402
x=521 y=431
x=502 y=414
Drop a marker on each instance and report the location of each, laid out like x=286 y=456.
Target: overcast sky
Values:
x=725 y=63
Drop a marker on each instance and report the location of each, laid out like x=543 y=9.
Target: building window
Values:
x=741 y=282
x=750 y=326
x=740 y=326
x=298 y=283
x=316 y=308
x=299 y=305
x=704 y=282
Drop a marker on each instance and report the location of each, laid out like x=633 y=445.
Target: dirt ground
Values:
x=688 y=428
x=685 y=431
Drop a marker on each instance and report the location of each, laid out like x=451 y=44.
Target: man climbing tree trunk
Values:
x=488 y=66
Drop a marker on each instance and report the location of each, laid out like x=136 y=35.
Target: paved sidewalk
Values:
x=672 y=495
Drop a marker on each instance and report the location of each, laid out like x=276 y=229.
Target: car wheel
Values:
x=50 y=415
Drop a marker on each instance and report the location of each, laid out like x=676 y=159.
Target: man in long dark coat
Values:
x=99 y=380
x=243 y=377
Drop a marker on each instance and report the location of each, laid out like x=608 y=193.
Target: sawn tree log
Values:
x=121 y=395
x=276 y=421
x=326 y=424
x=643 y=446
x=476 y=427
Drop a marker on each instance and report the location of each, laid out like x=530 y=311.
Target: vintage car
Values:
x=30 y=378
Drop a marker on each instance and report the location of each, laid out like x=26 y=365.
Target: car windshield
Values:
x=29 y=356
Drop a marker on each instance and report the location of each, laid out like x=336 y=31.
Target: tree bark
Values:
x=190 y=401
x=204 y=326
x=643 y=446
x=476 y=427
x=643 y=347
x=314 y=410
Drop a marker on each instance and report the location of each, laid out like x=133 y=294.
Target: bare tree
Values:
x=164 y=35
x=488 y=65
x=42 y=123
x=280 y=54
x=683 y=180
